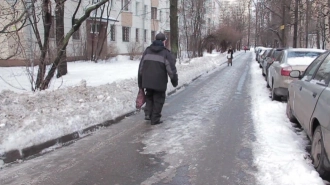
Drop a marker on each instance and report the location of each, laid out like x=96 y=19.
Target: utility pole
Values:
x=174 y=27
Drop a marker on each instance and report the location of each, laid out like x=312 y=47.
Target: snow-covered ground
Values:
x=95 y=92
x=279 y=151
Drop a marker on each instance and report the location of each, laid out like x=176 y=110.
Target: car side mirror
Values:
x=295 y=74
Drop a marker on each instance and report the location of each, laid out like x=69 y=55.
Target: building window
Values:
x=52 y=28
x=153 y=35
x=113 y=33
x=167 y=17
x=125 y=34
x=145 y=36
x=153 y=13
x=76 y=34
x=145 y=11
x=95 y=28
x=137 y=6
x=137 y=35
x=124 y=5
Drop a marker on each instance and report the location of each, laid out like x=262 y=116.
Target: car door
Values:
x=312 y=89
x=296 y=86
x=321 y=112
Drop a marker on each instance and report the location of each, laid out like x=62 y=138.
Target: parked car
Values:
x=290 y=59
x=262 y=51
x=270 y=58
x=309 y=103
x=258 y=50
x=264 y=56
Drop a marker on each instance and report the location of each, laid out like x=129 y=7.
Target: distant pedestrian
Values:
x=230 y=56
x=245 y=48
x=156 y=64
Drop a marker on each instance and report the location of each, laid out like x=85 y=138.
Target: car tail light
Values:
x=285 y=71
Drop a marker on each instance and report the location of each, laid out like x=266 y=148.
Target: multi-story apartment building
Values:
x=117 y=26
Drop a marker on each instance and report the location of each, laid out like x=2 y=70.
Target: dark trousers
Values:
x=230 y=61
x=154 y=104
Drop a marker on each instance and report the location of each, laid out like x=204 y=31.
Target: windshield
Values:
x=295 y=54
x=302 y=57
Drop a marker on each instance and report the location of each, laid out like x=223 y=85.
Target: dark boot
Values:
x=156 y=123
x=158 y=102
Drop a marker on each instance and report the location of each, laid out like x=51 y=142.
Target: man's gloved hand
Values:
x=174 y=81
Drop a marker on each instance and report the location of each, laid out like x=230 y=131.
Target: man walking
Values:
x=230 y=56
x=156 y=65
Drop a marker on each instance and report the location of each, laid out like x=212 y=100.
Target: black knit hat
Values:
x=160 y=36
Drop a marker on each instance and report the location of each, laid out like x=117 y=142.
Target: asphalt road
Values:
x=205 y=140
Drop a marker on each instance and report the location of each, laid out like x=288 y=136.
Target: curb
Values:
x=13 y=156
x=26 y=153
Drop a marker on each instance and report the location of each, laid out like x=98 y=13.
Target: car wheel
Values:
x=289 y=113
x=266 y=76
x=274 y=96
x=318 y=154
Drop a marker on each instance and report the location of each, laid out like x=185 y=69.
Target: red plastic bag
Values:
x=140 y=99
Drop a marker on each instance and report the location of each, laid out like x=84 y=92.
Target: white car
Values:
x=290 y=59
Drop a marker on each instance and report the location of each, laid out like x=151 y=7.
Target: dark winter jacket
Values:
x=231 y=52
x=156 y=64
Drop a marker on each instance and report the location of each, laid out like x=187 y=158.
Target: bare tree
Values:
x=193 y=14
x=75 y=27
x=59 y=16
x=174 y=26
x=12 y=20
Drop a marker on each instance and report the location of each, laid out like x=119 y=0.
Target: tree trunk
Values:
x=283 y=24
x=174 y=27
x=307 y=22
x=256 y=31
x=59 y=16
x=318 y=43
x=249 y=27
x=295 y=26
x=47 y=22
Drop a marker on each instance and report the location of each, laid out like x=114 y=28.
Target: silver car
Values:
x=271 y=57
x=264 y=56
x=309 y=103
x=290 y=59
